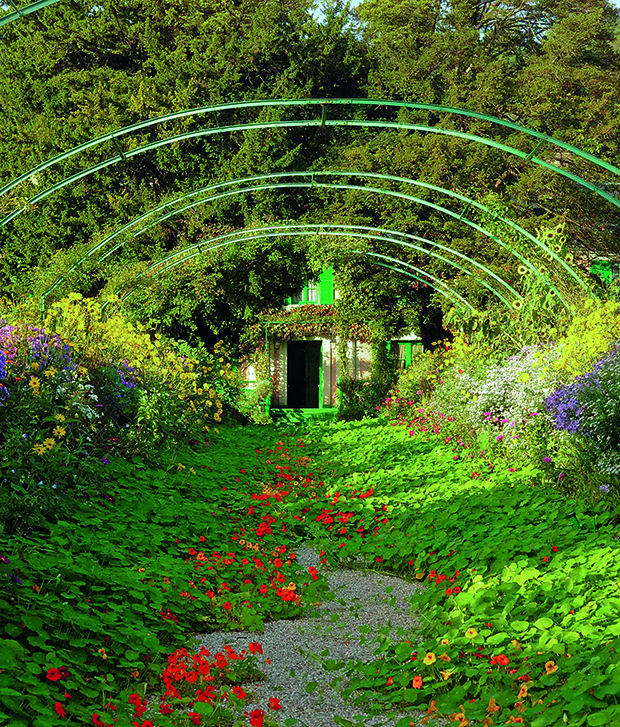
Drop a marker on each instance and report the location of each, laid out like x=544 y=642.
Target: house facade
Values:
x=306 y=370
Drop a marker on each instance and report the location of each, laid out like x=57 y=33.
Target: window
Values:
x=336 y=293
x=402 y=356
x=312 y=292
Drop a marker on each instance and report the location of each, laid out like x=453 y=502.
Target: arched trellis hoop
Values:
x=206 y=247
x=439 y=208
x=247 y=235
x=26 y=10
x=349 y=231
x=322 y=122
x=469 y=203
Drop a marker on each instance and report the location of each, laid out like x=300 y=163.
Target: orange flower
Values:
x=389 y=682
x=550 y=667
x=417 y=682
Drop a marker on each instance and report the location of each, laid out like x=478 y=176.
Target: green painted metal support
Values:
x=341 y=231
x=286 y=232
x=460 y=217
x=315 y=122
x=26 y=10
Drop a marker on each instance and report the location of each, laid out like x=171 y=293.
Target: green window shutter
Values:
x=326 y=287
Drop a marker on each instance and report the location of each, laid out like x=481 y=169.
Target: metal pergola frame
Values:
x=354 y=231
x=322 y=122
x=244 y=235
x=460 y=217
x=325 y=122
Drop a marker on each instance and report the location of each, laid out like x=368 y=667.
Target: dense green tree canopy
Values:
x=76 y=70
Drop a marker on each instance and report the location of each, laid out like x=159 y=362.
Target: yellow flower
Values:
x=447 y=674
x=82 y=370
x=49 y=443
x=444 y=641
x=34 y=366
x=430 y=658
x=550 y=667
x=39 y=449
x=192 y=470
x=471 y=633
x=217 y=431
x=59 y=417
x=34 y=382
x=59 y=431
x=180 y=467
x=50 y=372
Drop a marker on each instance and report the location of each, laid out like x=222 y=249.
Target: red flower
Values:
x=60 y=710
x=227 y=605
x=448 y=592
x=256 y=718
x=277 y=563
x=97 y=721
x=546 y=558
x=255 y=647
x=389 y=682
x=456 y=590
x=54 y=674
x=135 y=699
x=238 y=692
x=554 y=548
x=274 y=703
x=264 y=588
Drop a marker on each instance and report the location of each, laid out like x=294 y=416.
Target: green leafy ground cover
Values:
x=130 y=529
x=520 y=614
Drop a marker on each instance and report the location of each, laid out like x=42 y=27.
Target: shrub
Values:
x=588 y=338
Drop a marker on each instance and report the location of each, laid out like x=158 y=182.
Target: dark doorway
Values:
x=303 y=374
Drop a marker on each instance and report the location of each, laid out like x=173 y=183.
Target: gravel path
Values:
x=290 y=643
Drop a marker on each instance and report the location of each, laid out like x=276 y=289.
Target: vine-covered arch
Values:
x=311 y=184
x=323 y=122
x=206 y=247
x=355 y=231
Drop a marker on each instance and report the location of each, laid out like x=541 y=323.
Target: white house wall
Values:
x=359 y=355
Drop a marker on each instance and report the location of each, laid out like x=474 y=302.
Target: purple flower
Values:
x=105 y=460
x=546 y=459
x=561 y=476
x=604 y=488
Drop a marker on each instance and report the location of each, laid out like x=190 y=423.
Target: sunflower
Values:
x=517 y=304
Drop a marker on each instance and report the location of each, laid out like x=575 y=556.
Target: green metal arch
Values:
x=22 y=12
x=430 y=285
x=373 y=175
x=310 y=229
x=543 y=138
x=343 y=231
x=230 y=242
x=342 y=186
x=382 y=191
